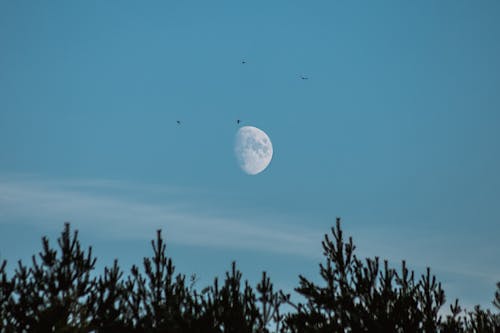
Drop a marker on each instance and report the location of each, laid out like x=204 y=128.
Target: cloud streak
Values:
x=92 y=205
x=122 y=210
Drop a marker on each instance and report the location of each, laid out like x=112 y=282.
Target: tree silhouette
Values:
x=107 y=301
x=61 y=292
x=496 y=301
x=362 y=296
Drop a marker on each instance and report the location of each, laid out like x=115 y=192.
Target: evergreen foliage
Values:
x=61 y=292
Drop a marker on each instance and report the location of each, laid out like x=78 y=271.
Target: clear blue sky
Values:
x=397 y=131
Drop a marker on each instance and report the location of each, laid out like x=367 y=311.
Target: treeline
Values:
x=61 y=292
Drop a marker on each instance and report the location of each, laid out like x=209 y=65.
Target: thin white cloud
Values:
x=119 y=216
x=106 y=209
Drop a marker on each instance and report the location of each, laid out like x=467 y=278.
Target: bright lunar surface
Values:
x=253 y=149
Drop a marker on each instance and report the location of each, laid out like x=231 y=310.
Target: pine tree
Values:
x=53 y=294
x=60 y=292
x=362 y=296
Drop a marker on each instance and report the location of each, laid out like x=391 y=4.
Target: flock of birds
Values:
x=238 y=121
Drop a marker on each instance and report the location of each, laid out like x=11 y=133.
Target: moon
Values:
x=253 y=149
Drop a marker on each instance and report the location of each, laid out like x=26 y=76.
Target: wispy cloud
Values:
x=114 y=209
x=95 y=205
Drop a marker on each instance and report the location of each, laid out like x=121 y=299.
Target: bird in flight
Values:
x=238 y=121
x=178 y=122
x=304 y=77
x=243 y=62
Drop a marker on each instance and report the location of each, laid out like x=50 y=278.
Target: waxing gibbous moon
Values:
x=253 y=149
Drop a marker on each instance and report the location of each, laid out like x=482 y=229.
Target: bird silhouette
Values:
x=238 y=121
x=243 y=61
x=178 y=122
x=304 y=77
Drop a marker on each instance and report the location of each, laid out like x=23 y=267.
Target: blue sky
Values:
x=397 y=131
